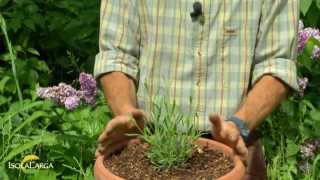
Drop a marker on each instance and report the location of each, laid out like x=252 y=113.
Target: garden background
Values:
x=44 y=42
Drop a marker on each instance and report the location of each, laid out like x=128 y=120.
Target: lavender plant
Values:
x=170 y=134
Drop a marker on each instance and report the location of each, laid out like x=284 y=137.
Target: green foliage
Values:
x=55 y=29
x=32 y=126
x=3 y=174
x=298 y=118
x=310 y=12
x=283 y=133
x=304 y=6
x=12 y=56
x=54 y=134
x=170 y=134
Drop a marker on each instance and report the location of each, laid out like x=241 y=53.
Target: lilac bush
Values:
x=72 y=102
x=297 y=118
x=88 y=87
x=304 y=166
x=310 y=149
x=304 y=34
x=303 y=83
x=58 y=94
x=315 y=52
x=66 y=95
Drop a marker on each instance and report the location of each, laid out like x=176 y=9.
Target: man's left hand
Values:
x=227 y=133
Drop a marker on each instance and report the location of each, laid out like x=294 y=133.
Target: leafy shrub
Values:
x=63 y=33
x=293 y=125
x=32 y=126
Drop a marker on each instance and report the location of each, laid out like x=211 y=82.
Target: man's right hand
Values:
x=114 y=134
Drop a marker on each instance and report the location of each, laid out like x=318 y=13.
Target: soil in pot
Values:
x=132 y=163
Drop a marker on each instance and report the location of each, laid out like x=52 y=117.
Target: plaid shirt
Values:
x=213 y=63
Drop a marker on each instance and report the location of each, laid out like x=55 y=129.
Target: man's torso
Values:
x=209 y=63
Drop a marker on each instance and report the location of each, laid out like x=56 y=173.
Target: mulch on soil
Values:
x=132 y=164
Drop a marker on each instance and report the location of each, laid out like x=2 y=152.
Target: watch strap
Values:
x=243 y=128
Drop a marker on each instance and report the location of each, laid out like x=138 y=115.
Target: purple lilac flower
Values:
x=303 y=83
x=41 y=92
x=62 y=91
x=305 y=34
x=58 y=93
x=88 y=86
x=310 y=149
x=66 y=95
x=304 y=166
x=72 y=102
x=315 y=52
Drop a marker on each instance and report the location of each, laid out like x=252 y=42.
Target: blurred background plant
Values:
x=291 y=134
x=63 y=34
x=54 y=41
x=42 y=44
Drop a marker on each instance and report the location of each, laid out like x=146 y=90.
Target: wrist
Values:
x=125 y=110
x=242 y=115
x=241 y=126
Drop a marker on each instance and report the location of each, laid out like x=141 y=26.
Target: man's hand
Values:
x=227 y=133
x=114 y=134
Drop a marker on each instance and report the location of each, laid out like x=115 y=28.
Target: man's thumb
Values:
x=138 y=114
x=216 y=121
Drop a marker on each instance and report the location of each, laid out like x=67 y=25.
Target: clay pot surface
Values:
x=237 y=173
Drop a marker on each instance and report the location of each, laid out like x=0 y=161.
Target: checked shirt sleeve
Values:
x=119 y=39
x=276 y=49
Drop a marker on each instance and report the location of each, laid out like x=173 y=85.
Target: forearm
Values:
x=120 y=92
x=266 y=94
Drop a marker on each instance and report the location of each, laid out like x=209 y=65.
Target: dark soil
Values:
x=132 y=164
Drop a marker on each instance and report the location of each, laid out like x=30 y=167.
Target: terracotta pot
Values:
x=237 y=173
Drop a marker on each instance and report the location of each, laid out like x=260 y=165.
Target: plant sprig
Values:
x=170 y=134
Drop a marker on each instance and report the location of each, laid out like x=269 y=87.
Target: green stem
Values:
x=72 y=168
x=314 y=167
x=80 y=167
x=12 y=57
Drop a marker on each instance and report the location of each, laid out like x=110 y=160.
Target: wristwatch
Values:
x=243 y=128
